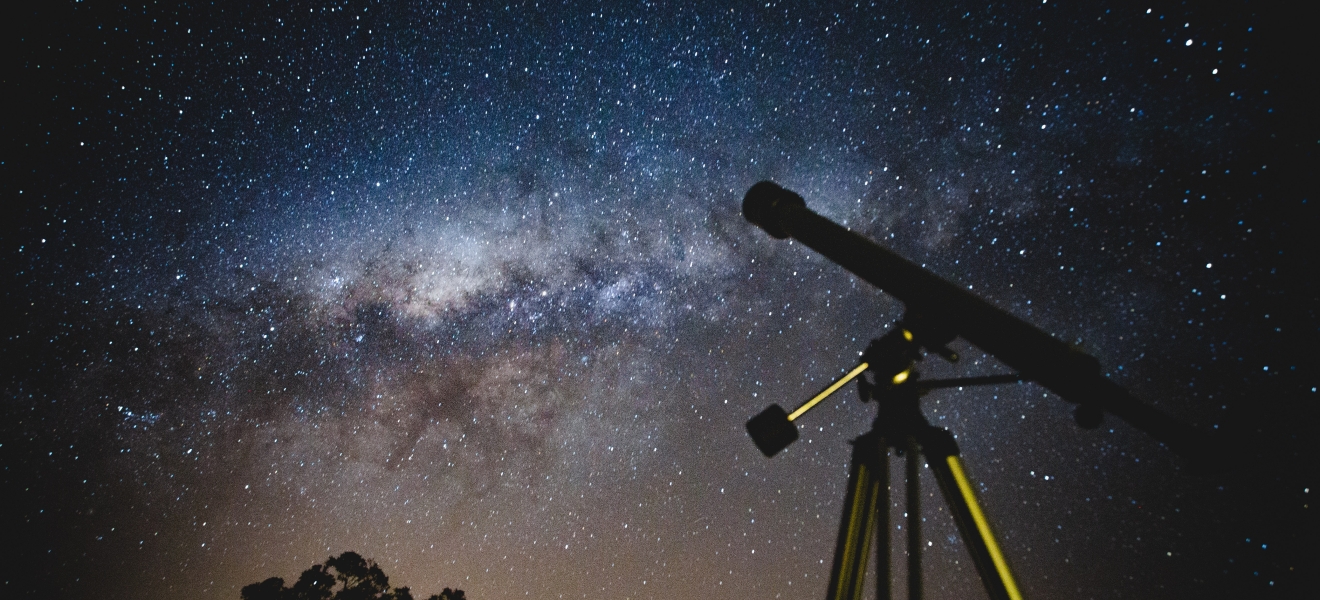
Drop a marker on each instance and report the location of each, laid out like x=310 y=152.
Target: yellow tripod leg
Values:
x=983 y=527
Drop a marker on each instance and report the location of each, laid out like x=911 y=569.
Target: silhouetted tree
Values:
x=448 y=594
x=344 y=577
x=270 y=589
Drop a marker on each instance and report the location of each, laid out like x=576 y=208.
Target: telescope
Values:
x=936 y=312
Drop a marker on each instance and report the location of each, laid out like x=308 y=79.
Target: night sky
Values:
x=466 y=288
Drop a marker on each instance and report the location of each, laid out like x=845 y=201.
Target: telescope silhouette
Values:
x=938 y=311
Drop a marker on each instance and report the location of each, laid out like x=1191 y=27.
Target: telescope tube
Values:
x=1038 y=356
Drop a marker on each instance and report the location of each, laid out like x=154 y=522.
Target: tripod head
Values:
x=889 y=359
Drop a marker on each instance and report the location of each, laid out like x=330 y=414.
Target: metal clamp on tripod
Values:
x=899 y=424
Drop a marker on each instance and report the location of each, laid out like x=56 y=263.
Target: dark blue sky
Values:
x=465 y=288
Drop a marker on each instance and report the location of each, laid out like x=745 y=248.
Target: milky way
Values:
x=466 y=289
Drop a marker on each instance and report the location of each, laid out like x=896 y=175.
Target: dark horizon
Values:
x=467 y=290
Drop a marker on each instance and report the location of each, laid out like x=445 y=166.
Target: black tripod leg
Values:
x=913 y=508
x=881 y=474
x=960 y=497
x=867 y=476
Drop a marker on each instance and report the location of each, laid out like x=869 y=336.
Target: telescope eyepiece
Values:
x=765 y=204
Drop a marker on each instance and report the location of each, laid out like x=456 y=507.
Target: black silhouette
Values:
x=344 y=577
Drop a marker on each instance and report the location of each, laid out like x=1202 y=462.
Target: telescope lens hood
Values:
x=766 y=204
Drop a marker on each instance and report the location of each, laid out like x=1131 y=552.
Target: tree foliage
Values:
x=344 y=577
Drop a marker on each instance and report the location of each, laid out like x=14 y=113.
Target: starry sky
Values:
x=465 y=287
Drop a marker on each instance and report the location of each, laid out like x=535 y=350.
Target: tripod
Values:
x=899 y=424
